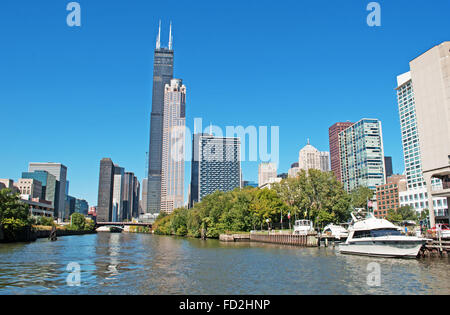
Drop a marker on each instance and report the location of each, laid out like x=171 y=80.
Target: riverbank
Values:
x=31 y=234
x=45 y=233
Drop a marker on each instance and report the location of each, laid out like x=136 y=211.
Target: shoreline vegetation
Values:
x=17 y=225
x=313 y=195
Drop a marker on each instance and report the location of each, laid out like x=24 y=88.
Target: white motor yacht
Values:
x=303 y=227
x=378 y=237
x=336 y=231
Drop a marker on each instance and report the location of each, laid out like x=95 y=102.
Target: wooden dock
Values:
x=286 y=239
x=435 y=248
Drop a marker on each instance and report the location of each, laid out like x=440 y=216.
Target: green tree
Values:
x=289 y=191
x=317 y=196
x=393 y=216
x=360 y=196
x=45 y=221
x=14 y=214
x=268 y=205
x=241 y=210
x=89 y=225
x=408 y=213
x=78 y=222
x=405 y=213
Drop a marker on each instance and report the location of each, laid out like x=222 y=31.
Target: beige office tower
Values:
x=266 y=173
x=172 y=175
x=430 y=75
x=325 y=161
x=309 y=158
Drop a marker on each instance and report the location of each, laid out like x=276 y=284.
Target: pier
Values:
x=435 y=248
x=309 y=240
x=234 y=237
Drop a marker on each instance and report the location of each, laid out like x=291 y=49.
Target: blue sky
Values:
x=76 y=95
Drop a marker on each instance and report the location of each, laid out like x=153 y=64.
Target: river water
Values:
x=149 y=264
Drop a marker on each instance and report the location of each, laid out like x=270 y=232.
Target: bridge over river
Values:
x=122 y=224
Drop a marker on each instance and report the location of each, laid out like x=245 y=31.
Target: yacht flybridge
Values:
x=378 y=237
x=303 y=227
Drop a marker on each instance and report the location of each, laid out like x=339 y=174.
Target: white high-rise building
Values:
x=293 y=171
x=309 y=158
x=172 y=175
x=424 y=93
x=118 y=191
x=267 y=172
x=416 y=195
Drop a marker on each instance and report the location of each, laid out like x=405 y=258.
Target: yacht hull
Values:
x=383 y=249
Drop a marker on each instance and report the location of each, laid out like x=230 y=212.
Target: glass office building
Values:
x=48 y=182
x=216 y=166
x=362 y=155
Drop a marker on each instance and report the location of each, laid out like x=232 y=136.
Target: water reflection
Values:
x=146 y=264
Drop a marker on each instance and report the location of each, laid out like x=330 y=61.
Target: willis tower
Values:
x=162 y=74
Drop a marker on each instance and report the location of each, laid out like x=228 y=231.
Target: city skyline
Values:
x=83 y=169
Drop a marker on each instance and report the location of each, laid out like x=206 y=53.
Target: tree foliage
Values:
x=360 y=196
x=78 y=222
x=314 y=195
x=317 y=196
x=14 y=214
x=405 y=213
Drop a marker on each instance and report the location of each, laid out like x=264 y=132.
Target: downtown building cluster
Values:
x=357 y=154
x=215 y=160
x=45 y=189
x=118 y=193
x=308 y=158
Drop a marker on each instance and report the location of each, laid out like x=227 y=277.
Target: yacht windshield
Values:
x=385 y=232
x=376 y=233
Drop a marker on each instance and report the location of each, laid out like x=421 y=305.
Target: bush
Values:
x=77 y=222
x=89 y=225
x=45 y=221
x=14 y=215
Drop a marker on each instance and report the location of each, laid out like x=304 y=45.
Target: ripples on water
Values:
x=147 y=264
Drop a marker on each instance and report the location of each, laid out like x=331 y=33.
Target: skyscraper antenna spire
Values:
x=170 y=36
x=158 y=39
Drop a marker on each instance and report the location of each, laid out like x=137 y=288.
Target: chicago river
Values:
x=148 y=264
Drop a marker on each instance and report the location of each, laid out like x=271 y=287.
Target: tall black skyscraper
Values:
x=105 y=191
x=162 y=74
x=388 y=166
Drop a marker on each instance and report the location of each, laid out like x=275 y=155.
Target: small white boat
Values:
x=336 y=231
x=303 y=227
x=378 y=237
